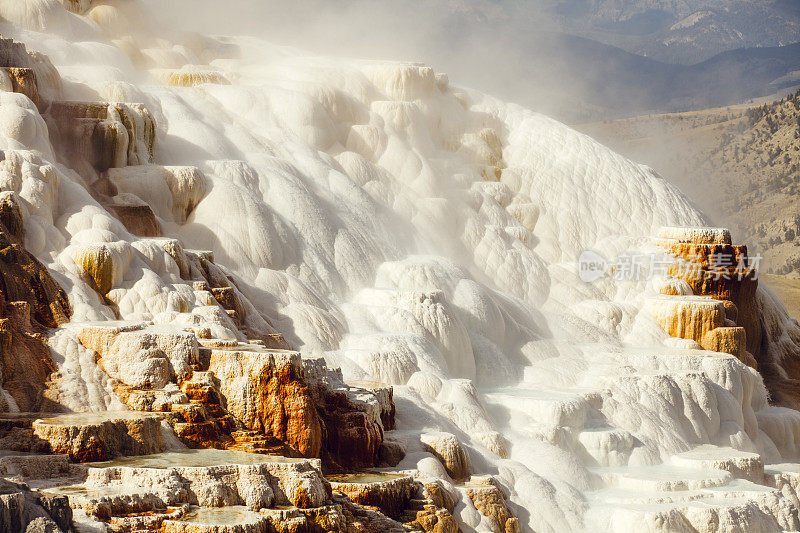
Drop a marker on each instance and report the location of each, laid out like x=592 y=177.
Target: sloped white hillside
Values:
x=417 y=234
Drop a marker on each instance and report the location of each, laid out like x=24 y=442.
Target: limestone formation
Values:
x=142 y=357
x=317 y=184
x=447 y=448
x=203 y=422
x=190 y=77
x=208 y=478
x=326 y=518
x=11 y=216
x=687 y=317
x=22 y=510
x=491 y=502
x=12 y=53
x=723 y=316
x=352 y=418
x=22 y=276
x=25 y=362
x=100 y=135
x=30 y=300
x=98 y=264
x=101 y=436
x=266 y=392
x=172 y=192
x=137 y=216
x=230 y=520
x=732 y=340
x=435 y=520
x=23 y=80
x=388 y=492
x=28 y=73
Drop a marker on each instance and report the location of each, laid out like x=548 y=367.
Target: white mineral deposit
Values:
x=354 y=268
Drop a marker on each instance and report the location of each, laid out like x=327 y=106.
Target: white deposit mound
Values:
x=413 y=233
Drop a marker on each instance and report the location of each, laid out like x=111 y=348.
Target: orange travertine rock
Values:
x=722 y=315
x=22 y=276
x=687 y=317
x=88 y=437
x=30 y=300
x=23 y=80
x=490 y=501
x=266 y=392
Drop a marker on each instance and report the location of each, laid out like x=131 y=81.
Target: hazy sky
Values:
x=514 y=49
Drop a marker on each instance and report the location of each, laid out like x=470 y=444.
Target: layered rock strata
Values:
x=101 y=436
x=242 y=396
x=353 y=418
x=96 y=136
x=28 y=73
x=490 y=501
x=390 y=493
x=267 y=393
x=22 y=277
x=22 y=510
x=30 y=301
x=715 y=306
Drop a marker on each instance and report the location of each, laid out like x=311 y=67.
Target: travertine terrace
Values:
x=249 y=289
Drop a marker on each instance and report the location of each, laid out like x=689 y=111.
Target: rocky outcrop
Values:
x=135 y=215
x=243 y=396
x=23 y=81
x=388 y=492
x=96 y=136
x=722 y=314
x=266 y=392
x=490 y=501
x=203 y=421
x=139 y=356
x=230 y=520
x=28 y=73
x=205 y=478
x=22 y=510
x=433 y=520
x=101 y=436
x=352 y=418
x=22 y=276
x=173 y=192
x=30 y=300
x=447 y=448
x=712 y=266
x=25 y=360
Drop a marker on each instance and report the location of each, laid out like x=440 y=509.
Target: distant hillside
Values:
x=741 y=164
x=623 y=83
x=687 y=31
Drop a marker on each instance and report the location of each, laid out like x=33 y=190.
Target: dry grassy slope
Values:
x=787 y=289
x=740 y=164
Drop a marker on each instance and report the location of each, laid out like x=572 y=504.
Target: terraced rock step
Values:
x=489 y=500
x=664 y=478
x=101 y=436
x=234 y=519
x=390 y=492
x=741 y=464
x=708 y=488
x=96 y=136
x=160 y=483
x=738 y=504
x=715 y=306
x=536 y=406
x=23 y=510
